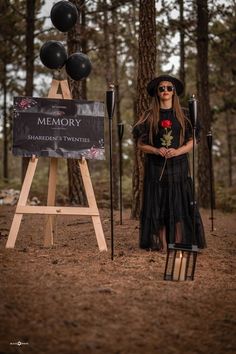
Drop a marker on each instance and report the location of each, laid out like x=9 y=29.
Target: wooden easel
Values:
x=51 y=210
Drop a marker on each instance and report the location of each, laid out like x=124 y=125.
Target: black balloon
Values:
x=78 y=66
x=53 y=55
x=64 y=15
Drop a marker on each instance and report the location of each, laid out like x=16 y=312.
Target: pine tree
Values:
x=146 y=71
x=204 y=111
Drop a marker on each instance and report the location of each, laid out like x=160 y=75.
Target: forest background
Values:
x=192 y=39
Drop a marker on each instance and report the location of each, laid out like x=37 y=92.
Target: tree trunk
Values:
x=29 y=62
x=77 y=194
x=204 y=112
x=115 y=156
x=110 y=60
x=182 y=44
x=84 y=48
x=146 y=71
x=229 y=146
x=5 y=130
x=107 y=46
x=3 y=84
x=76 y=42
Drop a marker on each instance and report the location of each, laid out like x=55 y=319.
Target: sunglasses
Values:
x=168 y=88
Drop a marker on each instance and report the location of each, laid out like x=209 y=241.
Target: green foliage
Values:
x=222 y=70
x=226 y=198
x=222 y=59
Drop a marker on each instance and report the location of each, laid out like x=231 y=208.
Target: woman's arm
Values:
x=148 y=149
x=180 y=151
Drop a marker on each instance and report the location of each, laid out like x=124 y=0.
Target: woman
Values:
x=164 y=134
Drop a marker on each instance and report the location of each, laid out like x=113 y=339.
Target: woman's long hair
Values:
x=152 y=116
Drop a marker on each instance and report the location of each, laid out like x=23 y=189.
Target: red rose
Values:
x=166 y=123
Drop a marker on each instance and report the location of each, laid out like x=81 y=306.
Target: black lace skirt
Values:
x=168 y=204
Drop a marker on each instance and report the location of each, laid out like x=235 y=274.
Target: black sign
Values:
x=58 y=128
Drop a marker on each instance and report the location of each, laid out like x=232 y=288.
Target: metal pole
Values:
x=120 y=127
x=194 y=201
x=209 y=144
x=111 y=189
x=110 y=102
x=193 y=117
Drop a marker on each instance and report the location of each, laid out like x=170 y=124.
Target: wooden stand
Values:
x=51 y=210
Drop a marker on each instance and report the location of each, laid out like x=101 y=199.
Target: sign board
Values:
x=52 y=127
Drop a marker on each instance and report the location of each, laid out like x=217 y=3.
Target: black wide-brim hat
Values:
x=153 y=84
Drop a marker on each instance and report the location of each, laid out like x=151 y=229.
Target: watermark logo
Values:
x=19 y=343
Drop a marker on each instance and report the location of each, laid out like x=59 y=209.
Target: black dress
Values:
x=168 y=201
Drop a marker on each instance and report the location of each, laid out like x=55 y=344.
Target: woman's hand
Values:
x=180 y=151
x=171 y=153
x=162 y=151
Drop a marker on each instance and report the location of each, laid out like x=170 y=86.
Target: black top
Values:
x=166 y=137
x=173 y=132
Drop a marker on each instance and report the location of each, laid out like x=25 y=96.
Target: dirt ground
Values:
x=72 y=299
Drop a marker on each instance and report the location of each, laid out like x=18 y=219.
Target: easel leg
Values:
x=92 y=204
x=14 y=231
x=21 y=202
x=48 y=236
x=99 y=233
